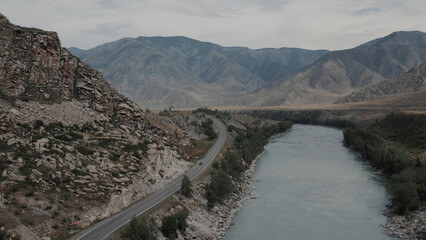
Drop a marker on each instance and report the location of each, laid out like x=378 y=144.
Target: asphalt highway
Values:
x=107 y=227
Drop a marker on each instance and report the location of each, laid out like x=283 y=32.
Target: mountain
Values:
x=159 y=72
x=338 y=73
x=408 y=83
x=72 y=149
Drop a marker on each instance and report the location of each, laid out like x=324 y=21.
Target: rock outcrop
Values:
x=34 y=67
x=408 y=83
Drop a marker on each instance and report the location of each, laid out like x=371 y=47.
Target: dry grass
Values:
x=198 y=151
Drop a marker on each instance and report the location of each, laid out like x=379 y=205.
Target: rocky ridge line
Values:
x=408 y=83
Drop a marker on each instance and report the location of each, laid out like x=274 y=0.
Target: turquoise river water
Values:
x=309 y=186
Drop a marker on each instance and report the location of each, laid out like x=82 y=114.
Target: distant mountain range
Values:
x=338 y=73
x=160 y=72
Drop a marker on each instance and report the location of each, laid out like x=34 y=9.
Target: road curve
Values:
x=107 y=227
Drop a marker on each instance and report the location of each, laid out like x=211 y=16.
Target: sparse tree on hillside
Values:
x=186 y=187
x=142 y=228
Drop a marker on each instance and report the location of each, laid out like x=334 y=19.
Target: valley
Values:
x=159 y=137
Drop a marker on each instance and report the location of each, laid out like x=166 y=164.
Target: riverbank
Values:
x=247 y=190
x=204 y=223
x=412 y=226
x=399 y=153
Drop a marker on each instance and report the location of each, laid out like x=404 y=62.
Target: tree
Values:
x=142 y=228
x=406 y=198
x=181 y=218
x=208 y=129
x=220 y=186
x=186 y=187
x=169 y=224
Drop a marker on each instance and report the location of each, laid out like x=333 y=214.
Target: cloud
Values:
x=109 y=29
x=366 y=11
x=325 y=24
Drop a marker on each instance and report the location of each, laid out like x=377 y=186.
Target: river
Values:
x=309 y=186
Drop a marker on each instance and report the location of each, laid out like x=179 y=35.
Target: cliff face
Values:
x=71 y=148
x=34 y=66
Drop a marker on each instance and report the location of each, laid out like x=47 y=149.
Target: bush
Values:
x=64 y=137
x=38 y=124
x=170 y=224
x=135 y=148
x=55 y=127
x=17 y=237
x=186 y=189
x=406 y=198
x=220 y=186
x=166 y=113
x=140 y=228
x=207 y=129
x=87 y=127
x=181 y=219
x=83 y=150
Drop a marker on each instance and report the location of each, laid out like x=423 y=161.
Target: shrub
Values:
x=181 y=218
x=140 y=228
x=38 y=124
x=83 y=150
x=406 y=198
x=186 y=189
x=207 y=129
x=170 y=224
x=220 y=186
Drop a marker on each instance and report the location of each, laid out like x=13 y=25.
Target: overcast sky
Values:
x=311 y=24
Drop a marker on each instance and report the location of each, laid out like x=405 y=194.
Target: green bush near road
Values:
x=170 y=224
x=140 y=228
x=207 y=128
x=186 y=189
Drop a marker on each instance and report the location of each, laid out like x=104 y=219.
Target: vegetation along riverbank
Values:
x=396 y=146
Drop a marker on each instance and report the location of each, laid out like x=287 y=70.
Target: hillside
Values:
x=72 y=149
x=159 y=72
x=338 y=73
x=412 y=136
x=405 y=84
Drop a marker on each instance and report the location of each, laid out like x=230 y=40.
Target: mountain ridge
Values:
x=408 y=83
x=205 y=73
x=338 y=73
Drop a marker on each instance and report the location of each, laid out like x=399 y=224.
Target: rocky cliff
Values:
x=72 y=149
x=35 y=67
